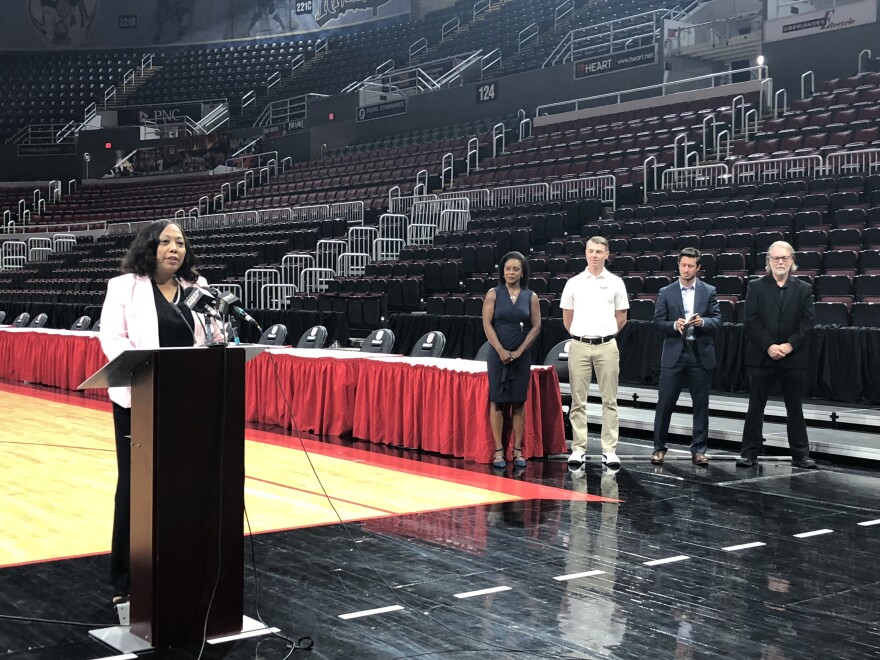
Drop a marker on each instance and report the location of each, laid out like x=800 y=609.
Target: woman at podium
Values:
x=144 y=308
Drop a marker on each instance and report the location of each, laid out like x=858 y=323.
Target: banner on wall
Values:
x=380 y=110
x=627 y=59
x=66 y=24
x=162 y=114
x=821 y=22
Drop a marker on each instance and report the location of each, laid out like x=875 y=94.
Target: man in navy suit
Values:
x=687 y=315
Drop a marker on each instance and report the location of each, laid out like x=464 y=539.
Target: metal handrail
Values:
x=385 y=67
x=109 y=93
x=812 y=78
x=663 y=88
x=448 y=27
x=248 y=98
x=752 y=113
x=273 y=80
x=650 y=160
x=480 y=7
x=562 y=11
x=725 y=134
x=126 y=79
x=322 y=45
x=706 y=140
x=447 y=167
x=417 y=47
x=867 y=52
x=565 y=48
x=498 y=134
x=764 y=97
x=146 y=62
x=776 y=96
x=493 y=57
x=525 y=35
x=473 y=148
x=733 y=107
x=680 y=140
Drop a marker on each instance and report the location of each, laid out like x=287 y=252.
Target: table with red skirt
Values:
x=435 y=405
x=430 y=404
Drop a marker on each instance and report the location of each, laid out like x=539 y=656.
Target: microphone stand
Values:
x=209 y=335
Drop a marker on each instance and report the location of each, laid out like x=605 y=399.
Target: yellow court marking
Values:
x=60 y=476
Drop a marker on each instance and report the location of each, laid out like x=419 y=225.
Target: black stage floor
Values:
x=571 y=579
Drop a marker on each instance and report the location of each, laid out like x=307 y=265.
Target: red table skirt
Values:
x=415 y=406
x=50 y=358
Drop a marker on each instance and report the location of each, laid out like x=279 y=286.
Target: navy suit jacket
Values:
x=670 y=308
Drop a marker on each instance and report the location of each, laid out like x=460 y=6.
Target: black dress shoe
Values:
x=745 y=461
x=658 y=456
x=804 y=462
x=700 y=459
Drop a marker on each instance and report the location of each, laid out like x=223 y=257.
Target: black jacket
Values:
x=767 y=322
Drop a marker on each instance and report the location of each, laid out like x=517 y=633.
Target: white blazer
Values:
x=129 y=320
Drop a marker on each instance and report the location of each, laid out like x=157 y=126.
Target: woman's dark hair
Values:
x=141 y=256
x=524 y=264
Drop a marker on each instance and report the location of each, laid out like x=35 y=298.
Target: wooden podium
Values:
x=187 y=490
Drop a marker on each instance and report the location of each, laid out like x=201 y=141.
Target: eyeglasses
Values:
x=783 y=259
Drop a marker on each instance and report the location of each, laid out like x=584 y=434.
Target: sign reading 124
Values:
x=487 y=92
x=303 y=7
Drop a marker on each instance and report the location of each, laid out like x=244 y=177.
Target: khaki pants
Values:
x=583 y=359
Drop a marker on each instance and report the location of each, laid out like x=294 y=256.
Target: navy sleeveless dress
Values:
x=509 y=383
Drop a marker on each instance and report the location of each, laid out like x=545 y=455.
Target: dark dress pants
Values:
x=672 y=379
x=119 y=548
x=792 y=381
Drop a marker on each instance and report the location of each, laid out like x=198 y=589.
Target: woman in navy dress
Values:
x=512 y=323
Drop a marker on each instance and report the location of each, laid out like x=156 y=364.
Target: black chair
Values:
x=82 y=323
x=96 y=327
x=21 y=320
x=314 y=337
x=39 y=321
x=378 y=341
x=274 y=335
x=484 y=352
x=432 y=344
x=558 y=359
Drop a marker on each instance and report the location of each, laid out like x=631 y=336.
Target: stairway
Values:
x=138 y=81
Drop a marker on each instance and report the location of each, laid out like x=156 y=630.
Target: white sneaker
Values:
x=577 y=458
x=610 y=459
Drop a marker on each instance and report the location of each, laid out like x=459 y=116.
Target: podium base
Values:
x=121 y=639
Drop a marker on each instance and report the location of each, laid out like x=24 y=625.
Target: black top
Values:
x=778 y=315
x=175 y=327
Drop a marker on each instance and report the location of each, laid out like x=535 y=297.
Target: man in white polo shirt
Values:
x=594 y=305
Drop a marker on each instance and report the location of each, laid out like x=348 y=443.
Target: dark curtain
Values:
x=844 y=363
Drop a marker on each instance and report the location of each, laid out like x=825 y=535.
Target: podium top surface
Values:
x=117 y=372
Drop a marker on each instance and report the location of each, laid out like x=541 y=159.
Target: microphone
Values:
x=228 y=303
x=199 y=300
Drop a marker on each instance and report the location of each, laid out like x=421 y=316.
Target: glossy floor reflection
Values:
x=691 y=563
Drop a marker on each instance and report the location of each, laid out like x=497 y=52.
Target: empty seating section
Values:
x=133 y=200
x=55 y=88
x=832 y=218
